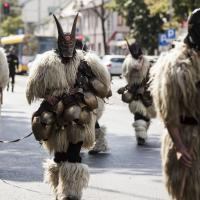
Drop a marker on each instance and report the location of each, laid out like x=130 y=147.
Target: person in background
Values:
x=136 y=72
x=175 y=87
x=13 y=63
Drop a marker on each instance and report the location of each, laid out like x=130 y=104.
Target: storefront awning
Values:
x=12 y=39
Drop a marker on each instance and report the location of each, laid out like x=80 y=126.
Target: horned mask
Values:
x=66 y=41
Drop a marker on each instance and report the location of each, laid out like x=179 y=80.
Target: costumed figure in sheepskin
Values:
x=175 y=89
x=4 y=74
x=101 y=144
x=72 y=84
x=136 y=72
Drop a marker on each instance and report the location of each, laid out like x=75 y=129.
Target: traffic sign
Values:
x=163 y=39
x=171 y=33
x=166 y=37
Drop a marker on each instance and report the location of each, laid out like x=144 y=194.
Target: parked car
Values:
x=114 y=64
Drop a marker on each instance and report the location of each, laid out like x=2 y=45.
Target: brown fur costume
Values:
x=135 y=72
x=50 y=75
x=174 y=88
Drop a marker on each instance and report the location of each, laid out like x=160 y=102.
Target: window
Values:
x=119 y=20
x=117 y=60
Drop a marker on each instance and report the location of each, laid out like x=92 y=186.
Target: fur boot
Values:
x=51 y=171
x=101 y=143
x=73 y=178
x=141 y=127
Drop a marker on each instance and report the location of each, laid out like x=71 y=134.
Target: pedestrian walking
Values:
x=72 y=83
x=176 y=92
x=13 y=63
x=136 y=68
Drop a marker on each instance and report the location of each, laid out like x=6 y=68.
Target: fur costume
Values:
x=4 y=70
x=4 y=74
x=50 y=76
x=176 y=93
x=101 y=144
x=136 y=71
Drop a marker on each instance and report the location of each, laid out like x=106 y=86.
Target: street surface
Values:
x=126 y=172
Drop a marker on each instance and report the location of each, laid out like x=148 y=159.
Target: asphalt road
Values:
x=126 y=172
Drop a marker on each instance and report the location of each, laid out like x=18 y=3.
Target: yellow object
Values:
x=13 y=39
x=22 y=68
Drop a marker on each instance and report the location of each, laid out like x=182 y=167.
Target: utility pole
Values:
x=39 y=13
x=170 y=11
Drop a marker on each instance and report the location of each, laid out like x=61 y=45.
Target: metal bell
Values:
x=100 y=89
x=90 y=100
x=47 y=118
x=72 y=113
x=59 y=108
x=84 y=117
x=41 y=131
x=121 y=90
x=109 y=93
x=127 y=97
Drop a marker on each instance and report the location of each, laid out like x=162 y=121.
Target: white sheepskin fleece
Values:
x=135 y=70
x=141 y=128
x=73 y=178
x=4 y=70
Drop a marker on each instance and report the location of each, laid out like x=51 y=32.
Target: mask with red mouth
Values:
x=66 y=41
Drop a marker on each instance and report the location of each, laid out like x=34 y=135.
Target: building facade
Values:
x=89 y=26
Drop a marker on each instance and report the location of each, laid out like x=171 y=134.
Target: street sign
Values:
x=171 y=33
x=163 y=39
x=166 y=37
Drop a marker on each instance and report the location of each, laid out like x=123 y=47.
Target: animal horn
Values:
x=59 y=27
x=128 y=45
x=73 y=31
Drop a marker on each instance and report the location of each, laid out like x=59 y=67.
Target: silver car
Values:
x=114 y=64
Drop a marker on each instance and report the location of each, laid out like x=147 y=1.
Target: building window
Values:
x=120 y=20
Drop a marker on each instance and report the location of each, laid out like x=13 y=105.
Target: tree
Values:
x=10 y=25
x=103 y=15
x=182 y=8
x=12 y=22
x=144 y=24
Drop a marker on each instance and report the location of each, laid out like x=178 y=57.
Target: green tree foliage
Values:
x=144 y=24
x=11 y=23
x=182 y=8
x=157 y=6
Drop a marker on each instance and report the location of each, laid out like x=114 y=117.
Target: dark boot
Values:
x=8 y=87
x=12 y=87
x=140 y=141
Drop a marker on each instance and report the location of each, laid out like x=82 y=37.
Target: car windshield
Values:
x=117 y=60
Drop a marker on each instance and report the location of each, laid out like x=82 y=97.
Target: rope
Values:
x=16 y=140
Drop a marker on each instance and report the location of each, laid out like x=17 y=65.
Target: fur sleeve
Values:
x=125 y=67
x=4 y=70
x=99 y=70
x=173 y=85
x=47 y=75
